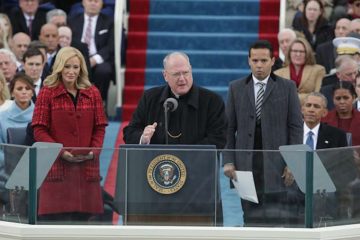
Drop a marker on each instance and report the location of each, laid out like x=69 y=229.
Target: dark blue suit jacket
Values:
x=104 y=34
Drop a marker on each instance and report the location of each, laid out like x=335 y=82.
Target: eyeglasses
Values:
x=178 y=74
x=298 y=51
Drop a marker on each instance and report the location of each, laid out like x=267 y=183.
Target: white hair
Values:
x=9 y=53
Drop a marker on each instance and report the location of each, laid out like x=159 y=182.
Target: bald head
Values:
x=342 y=27
x=19 y=44
x=49 y=36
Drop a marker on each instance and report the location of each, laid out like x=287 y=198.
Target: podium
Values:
x=168 y=185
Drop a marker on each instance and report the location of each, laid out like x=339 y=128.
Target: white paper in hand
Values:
x=245 y=186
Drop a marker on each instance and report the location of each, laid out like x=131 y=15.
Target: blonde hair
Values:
x=309 y=54
x=6 y=36
x=62 y=57
x=4 y=90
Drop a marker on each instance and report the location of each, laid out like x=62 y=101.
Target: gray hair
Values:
x=287 y=30
x=167 y=57
x=55 y=12
x=317 y=94
x=342 y=61
x=8 y=53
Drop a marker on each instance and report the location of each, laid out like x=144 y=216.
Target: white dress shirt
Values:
x=315 y=132
x=257 y=87
x=37 y=85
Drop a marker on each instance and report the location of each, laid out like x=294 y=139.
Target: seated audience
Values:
x=50 y=37
x=19 y=44
x=33 y=67
x=344 y=116
x=355 y=25
x=43 y=49
x=313 y=24
x=301 y=68
x=322 y=135
x=4 y=93
x=97 y=31
x=65 y=36
x=346 y=70
x=5 y=31
x=18 y=114
x=354 y=9
x=285 y=37
x=28 y=18
x=56 y=17
x=7 y=64
x=326 y=52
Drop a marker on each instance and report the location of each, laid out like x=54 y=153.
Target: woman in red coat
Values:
x=69 y=110
x=344 y=116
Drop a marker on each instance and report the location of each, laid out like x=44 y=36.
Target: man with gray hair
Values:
x=7 y=64
x=322 y=135
x=198 y=119
x=285 y=37
x=57 y=17
x=355 y=25
x=346 y=70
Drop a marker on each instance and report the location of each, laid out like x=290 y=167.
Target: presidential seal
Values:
x=166 y=174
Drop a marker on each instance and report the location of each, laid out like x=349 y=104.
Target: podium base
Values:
x=167 y=220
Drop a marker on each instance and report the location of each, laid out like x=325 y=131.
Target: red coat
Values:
x=333 y=120
x=70 y=187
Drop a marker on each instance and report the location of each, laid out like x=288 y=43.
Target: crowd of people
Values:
x=57 y=69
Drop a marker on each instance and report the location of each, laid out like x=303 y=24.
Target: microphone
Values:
x=170 y=104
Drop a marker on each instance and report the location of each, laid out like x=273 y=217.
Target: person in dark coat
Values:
x=346 y=70
x=277 y=123
x=326 y=52
x=313 y=24
x=100 y=41
x=337 y=162
x=199 y=118
x=28 y=18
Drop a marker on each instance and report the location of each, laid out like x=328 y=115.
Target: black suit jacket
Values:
x=325 y=55
x=330 y=137
x=203 y=118
x=19 y=24
x=330 y=80
x=104 y=34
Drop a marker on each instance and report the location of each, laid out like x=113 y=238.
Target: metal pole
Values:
x=309 y=189
x=32 y=186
